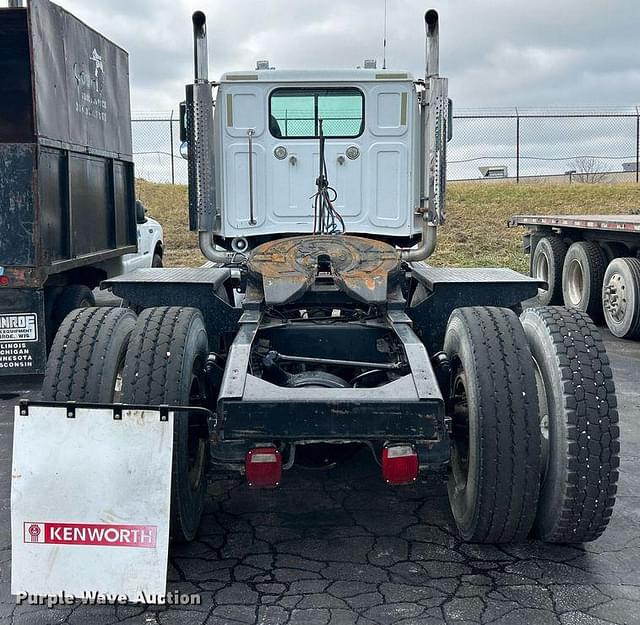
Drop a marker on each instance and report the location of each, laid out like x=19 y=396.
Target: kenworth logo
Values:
x=98 y=535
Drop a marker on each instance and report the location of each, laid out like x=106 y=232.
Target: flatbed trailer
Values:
x=590 y=262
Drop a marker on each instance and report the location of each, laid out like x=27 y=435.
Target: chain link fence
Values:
x=520 y=145
x=156 y=147
x=550 y=145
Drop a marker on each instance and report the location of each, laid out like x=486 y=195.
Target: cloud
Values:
x=495 y=52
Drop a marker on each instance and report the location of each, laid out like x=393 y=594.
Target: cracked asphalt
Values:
x=340 y=547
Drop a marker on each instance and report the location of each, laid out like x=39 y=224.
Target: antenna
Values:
x=384 y=43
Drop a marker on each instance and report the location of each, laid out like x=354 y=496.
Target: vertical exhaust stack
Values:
x=200 y=47
x=434 y=115
x=203 y=215
x=432 y=47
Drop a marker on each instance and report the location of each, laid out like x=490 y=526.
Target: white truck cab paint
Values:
x=370 y=119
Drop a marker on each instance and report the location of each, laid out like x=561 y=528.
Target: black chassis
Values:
x=251 y=411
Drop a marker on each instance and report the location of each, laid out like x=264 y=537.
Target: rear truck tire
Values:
x=621 y=297
x=165 y=364
x=546 y=264
x=87 y=356
x=71 y=298
x=495 y=453
x=579 y=424
x=157 y=263
x=582 y=276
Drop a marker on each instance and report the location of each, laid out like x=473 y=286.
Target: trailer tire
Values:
x=71 y=298
x=582 y=276
x=88 y=355
x=579 y=414
x=495 y=455
x=165 y=365
x=546 y=264
x=621 y=297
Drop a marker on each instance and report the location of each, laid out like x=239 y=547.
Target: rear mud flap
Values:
x=90 y=498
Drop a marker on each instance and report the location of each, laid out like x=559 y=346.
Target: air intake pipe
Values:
x=200 y=137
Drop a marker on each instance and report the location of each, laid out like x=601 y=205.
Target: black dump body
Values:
x=67 y=198
x=66 y=171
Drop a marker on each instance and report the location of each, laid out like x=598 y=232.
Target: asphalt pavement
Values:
x=339 y=547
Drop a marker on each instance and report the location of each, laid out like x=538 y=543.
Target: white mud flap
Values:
x=90 y=499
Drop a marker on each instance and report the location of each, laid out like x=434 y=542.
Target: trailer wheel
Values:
x=546 y=264
x=87 y=356
x=165 y=365
x=582 y=276
x=621 y=297
x=495 y=455
x=71 y=298
x=579 y=423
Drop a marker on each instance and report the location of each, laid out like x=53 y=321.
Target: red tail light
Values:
x=399 y=464
x=263 y=466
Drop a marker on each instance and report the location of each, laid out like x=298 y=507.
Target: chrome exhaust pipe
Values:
x=427 y=245
x=215 y=255
x=202 y=181
x=429 y=240
x=200 y=47
x=432 y=48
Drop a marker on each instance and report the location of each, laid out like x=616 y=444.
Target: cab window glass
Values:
x=297 y=113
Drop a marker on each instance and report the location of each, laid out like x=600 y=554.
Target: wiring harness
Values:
x=327 y=220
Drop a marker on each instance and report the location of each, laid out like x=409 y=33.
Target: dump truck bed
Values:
x=66 y=164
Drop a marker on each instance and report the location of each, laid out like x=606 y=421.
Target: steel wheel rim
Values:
x=460 y=442
x=575 y=282
x=544 y=416
x=541 y=271
x=196 y=445
x=615 y=298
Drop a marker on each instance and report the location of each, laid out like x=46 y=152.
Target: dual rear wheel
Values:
x=534 y=426
x=102 y=355
x=535 y=437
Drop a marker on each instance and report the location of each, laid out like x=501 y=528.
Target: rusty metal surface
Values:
x=66 y=171
x=288 y=267
x=17 y=204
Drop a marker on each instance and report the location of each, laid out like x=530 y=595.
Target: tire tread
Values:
x=77 y=360
x=593 y=444
x=509 y=434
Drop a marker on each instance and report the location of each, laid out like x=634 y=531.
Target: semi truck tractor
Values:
x=68 y=214
x=317 y=196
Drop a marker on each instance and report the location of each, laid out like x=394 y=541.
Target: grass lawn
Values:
x=475 y=234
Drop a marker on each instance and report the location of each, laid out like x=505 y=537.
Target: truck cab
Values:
x=370 y=120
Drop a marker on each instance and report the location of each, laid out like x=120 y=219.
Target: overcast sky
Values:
x=495 y=52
